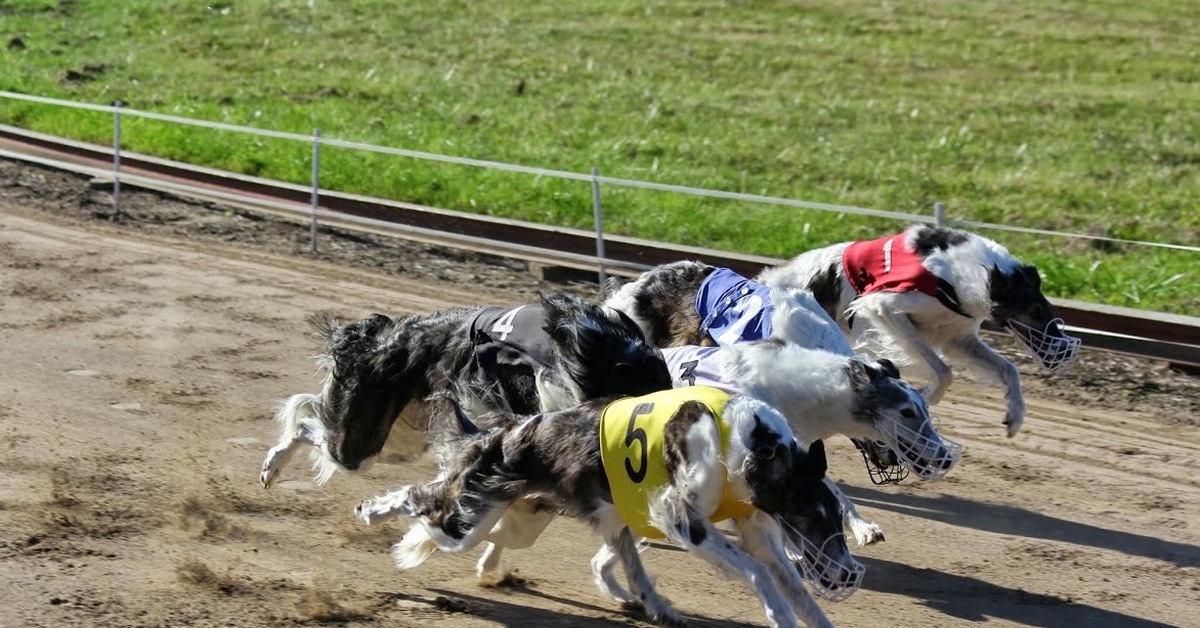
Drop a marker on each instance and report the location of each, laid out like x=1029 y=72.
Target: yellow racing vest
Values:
x=631 y=450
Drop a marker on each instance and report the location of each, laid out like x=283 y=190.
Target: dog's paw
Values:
x=1013 y=421
x=270 y=470
x=664 y=615
x=867 y=533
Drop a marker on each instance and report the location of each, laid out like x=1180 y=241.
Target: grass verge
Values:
x=1075 y=116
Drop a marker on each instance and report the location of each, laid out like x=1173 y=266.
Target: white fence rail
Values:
x=594 y=178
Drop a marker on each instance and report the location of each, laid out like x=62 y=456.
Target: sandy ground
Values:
x=138 y=371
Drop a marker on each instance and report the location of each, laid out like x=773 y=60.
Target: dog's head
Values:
x=602 y=351
x=359 y=400
x=1019 y=306
x=789 y=484
x=901 y=418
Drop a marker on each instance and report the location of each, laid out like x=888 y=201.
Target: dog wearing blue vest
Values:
x=664 y=465
x=922 y=294
x=691 y=304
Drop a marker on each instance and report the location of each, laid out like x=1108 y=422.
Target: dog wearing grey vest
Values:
x=380 y=370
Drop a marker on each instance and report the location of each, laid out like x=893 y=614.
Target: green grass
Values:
x=1075 y=116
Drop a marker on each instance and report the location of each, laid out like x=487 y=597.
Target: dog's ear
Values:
x=813 y=465
x=1030 y=273
x=889 y=368
x=771 y=455
x=859 y=374
x=610 y=287
x=999 y=282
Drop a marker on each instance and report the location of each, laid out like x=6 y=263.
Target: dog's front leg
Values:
x=386 y=506
x=763 y=539
x=982 y=358
x=698 y=534
x=900 y=330
x=865 y=532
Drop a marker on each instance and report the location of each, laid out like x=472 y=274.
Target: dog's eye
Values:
x=764 y=452
x=908 y=413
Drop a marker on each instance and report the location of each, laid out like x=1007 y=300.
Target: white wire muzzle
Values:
x=930 y=458
x=828 y=578
x=1050 y=346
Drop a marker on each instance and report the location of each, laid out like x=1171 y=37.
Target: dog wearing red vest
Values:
x=922 y=294
x=664 y=465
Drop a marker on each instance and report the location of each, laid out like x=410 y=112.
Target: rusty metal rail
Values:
x=1170 y=337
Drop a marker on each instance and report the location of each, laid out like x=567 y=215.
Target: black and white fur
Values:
x=915 y=329
x=381 y=368
x=812 y=382
x=557 y=456
x=823 y=394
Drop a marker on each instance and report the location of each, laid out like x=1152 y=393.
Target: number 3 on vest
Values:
x=637 y=435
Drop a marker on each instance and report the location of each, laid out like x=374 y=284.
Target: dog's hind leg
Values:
x=982 y=358
x=763 y=539
x=300 y=427
x=865 y=532
x=520 y=527
x=603 y=573
x=624 y=546
x=900 y=330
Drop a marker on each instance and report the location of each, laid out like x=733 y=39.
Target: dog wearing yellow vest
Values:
x=664 y=465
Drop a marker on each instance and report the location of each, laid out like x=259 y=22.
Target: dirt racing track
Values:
x=138 y=374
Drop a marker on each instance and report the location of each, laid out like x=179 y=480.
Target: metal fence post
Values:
x=598 y=213
x=939 y=213
x=117 y=159
x=316 y=186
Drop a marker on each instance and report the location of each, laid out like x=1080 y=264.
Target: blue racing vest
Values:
x=733 y=309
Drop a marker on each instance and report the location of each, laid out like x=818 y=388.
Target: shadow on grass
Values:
x=1016 y=521
x=974 y=600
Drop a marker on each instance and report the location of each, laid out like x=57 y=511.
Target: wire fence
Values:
x=594 y=178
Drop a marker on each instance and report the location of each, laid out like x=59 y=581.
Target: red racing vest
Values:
x=886 y=265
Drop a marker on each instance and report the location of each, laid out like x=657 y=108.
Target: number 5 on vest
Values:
x=637 y=435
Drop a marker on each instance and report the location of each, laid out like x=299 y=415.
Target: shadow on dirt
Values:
x=1003 y=519
x=971 y=599
x=519 y=615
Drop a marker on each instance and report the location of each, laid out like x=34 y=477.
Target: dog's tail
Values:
x=462 y=422
x=415 y=548
x=798 y=318
x=610 y=287
x=600 y=352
